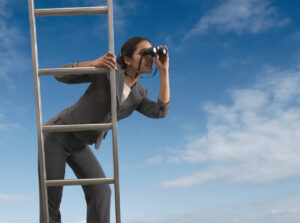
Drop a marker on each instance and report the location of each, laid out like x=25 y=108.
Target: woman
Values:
x=94 y=107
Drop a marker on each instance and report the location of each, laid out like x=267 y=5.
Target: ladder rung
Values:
x=75 y=71
x=71 y=11
x=78 y=127
x=89 y=181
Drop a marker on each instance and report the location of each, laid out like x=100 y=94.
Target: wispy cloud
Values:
x=234 y=62
x=155 y=160
x=280 y=211
x=10 y=38
x=239 y=16
x=5 y=124
x=12 y=197
x=120 y=11
x=255 y=139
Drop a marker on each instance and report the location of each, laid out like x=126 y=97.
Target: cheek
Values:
x=137 y=60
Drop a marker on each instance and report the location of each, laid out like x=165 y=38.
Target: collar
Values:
x=137 y=90
x=120 y=78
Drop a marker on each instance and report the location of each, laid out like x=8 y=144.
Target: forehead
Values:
x=143 y=45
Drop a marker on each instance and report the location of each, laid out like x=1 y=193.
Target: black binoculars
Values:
x=153 y=50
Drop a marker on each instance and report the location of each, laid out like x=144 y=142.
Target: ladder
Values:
x=68 y=128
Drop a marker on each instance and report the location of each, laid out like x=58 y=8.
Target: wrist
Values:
x=92 y=63
x=164 y=71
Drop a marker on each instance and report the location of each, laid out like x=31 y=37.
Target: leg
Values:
x=55 y=157
x=86 y=165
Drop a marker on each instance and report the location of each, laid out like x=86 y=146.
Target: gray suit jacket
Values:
x=94 y=105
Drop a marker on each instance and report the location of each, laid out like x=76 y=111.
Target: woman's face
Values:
x=147 y=61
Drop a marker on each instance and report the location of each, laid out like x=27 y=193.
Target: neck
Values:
x=130 y=79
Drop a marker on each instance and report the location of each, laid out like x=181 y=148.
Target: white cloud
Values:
x=280 y=211
x=10 y=39
x=10 y=197
x=5 y=124
x=120 y=11
x=3 y=12
x=255 y=139
x=234 y=62
x=156 y=159
x=238 y=16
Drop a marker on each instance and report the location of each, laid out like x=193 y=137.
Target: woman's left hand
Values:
x=162 y=62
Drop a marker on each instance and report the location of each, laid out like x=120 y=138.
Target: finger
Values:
x=107 y=65
x=156 y=58
x=112 y=63
x=112 y=59
x=103 y=63
x=110 y=54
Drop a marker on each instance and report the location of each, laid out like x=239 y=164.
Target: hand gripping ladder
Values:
x=68 y=128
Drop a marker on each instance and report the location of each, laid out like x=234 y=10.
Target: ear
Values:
x=127 y=60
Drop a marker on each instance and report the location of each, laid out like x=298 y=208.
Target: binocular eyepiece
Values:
x=155 y=50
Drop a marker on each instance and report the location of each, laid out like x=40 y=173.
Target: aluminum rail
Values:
x=44 y=215
x=111 y=47
x=88 y=181
x=79 y=127
x=71 y=11
x=73 y=71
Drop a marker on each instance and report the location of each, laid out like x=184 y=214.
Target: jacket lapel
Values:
x=135 y=95
x=137 y=91
x=119 y=85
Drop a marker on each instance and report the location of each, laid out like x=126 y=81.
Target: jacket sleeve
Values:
x=153 y=109
x=74 y=79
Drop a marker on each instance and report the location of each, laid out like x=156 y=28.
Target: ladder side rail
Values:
x=114 y=113
x=41 y=154
x=71 y=11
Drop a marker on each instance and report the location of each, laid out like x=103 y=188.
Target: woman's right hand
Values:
x=107 y=61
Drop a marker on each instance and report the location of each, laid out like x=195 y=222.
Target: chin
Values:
x=148 y=71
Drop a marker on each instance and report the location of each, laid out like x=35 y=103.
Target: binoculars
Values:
x=153 y=50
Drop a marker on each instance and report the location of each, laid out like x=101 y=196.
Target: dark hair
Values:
x=128 y=49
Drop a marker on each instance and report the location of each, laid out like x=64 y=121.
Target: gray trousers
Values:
x=62 y=148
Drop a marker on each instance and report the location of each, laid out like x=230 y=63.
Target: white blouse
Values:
x=126 y=92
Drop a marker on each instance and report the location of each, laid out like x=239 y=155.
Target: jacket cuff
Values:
x=164 y=108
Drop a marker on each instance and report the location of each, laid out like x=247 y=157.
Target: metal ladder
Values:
x=68 y=128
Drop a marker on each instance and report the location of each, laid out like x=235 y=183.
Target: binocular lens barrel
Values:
x=153 y=50
x=161 y=50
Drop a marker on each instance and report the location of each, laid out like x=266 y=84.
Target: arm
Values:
x=162 y=63
x=160 y=108
x=72 y=78
x=107 y=61
x=153 y=109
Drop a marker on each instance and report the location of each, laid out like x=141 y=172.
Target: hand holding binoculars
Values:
x=153 y=50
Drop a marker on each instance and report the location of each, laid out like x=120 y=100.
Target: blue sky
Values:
x=228 y=151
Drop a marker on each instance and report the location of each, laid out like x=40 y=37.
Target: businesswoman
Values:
x=94 y=107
